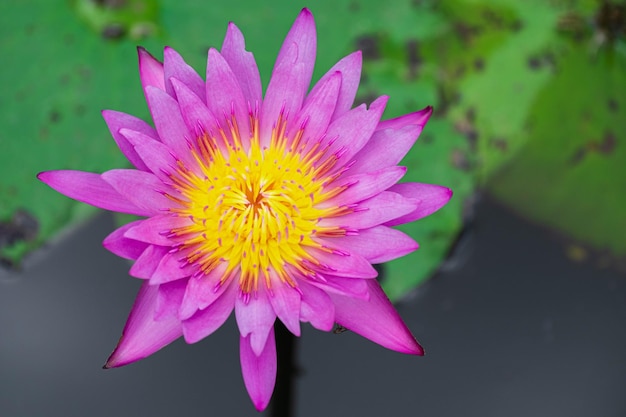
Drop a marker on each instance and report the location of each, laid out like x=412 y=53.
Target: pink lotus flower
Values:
x=273 y=207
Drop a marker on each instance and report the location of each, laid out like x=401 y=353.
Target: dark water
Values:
x=515 y=330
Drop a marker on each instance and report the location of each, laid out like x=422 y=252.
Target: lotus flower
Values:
x=274 y=207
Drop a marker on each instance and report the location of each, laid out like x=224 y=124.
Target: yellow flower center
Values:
x=257 y=210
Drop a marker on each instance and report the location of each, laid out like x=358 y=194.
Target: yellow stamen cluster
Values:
x=257 y=210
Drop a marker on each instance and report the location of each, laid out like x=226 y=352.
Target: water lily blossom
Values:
x=270 y=206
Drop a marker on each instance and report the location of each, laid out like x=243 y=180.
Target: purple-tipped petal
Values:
x=91 y=189
x=364 y=186
x=286 y=303
x=148 y=261
x=379 y=209
x=204 y=322
x=291 y=75
x=375 y=319
x=122 y=246
x=196 y=114
x=224 y=95
x=156 y=157
x=155 y=230
x=143 y=335
x=378 y=244
x=170 y=269
x=141 y=188
x=430 y=198
x=255 y=318
x=343 y=264
x=202 y=290
x=259 y=371
x=350 y=69
x=386 y=148
x=317 y=307
x=117 y=121
x=169 y=298
x=416 y=118
x=243 y=65
x=150 y=70
x=169 y=123
x=350 y=132
x=317 y=111
x=348 y=287
x=175 y=66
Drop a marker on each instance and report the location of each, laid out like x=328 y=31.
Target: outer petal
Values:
x=141 y=188
x=379 y=209
x=430 y=198
x=291 y=75
x=150 y=70
x=255 y=318
x=175 y=66
x=375 y=319
x=224 y=95
x=364 y=186
x=169 y=298
x=117 y=121
x=386 y=148
x=91 y=189
x=205 y=322
x=156 y=156
x=196 y=114
x=155 y=229
x=350 y=69
x=122 y=246
x=286 y=302
x=317 y=307
x=259 y=371
x=243 y=65
x=142 y=335
x=343 y=264
x=148 y=261
x=378 y=244
x=417 y=118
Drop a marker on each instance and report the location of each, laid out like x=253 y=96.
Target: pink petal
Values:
x=255 y=318
x=375 y=319
x=169 y=298
x=349 y=287
x=142 y=335
x=243 y=65
x=429 y=198
x=116 y=121
x=175 y=66
x=196 y=114
x=122 y=246
x=417 y=118
x=350 y=69
x=224 y=95
x=150 y=70
x=386 y=148
x=141 y=188
x=364 y=186
x=343 y=264
x=156 y=157
x=171 y=268
x=291 y=75
x=155 y=230
x=202 y=290
x=379 y=209
x=350 y=132
x=259 y=371
x=317 y=111
x=169 y=123
x=148 y=261
x=91 y=189
x=285 y=301
x=204 y=322
x=317 y=307
x=378 y=244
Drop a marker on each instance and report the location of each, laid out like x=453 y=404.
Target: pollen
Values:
x=255 y=210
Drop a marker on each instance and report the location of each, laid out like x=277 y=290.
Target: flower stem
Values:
x=282 y=403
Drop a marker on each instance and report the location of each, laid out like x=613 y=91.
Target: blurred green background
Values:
x=529 y=97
